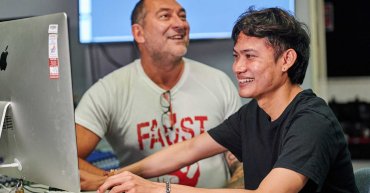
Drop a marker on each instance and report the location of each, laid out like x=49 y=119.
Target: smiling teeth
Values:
x=177 y=37
x=246 y=80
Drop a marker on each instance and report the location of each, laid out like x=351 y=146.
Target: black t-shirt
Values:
x=307 y=138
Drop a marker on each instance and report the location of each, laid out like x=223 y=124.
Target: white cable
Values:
x=12 y=165
x=16 y=164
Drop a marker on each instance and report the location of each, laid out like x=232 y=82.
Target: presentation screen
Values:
x=109 y=20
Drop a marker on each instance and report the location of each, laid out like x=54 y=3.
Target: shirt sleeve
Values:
x=228 y=134
x=92 y=111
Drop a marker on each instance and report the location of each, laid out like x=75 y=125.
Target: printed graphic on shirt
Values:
x=188 y=175
x=153 y=135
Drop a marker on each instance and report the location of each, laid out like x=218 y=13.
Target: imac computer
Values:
x=37 y=130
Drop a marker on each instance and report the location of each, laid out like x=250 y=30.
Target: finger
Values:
x=119 y=189
x=83 y=174
x=115 y=180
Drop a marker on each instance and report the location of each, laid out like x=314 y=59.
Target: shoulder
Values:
x=115 y=81
x=307 y=102
x=121 y=76
x=311 y=114
x=123 y=72
x=310 y=104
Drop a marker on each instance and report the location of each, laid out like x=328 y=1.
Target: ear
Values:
x=288 y=57
x=138 y=33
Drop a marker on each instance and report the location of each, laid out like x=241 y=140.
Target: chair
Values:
x=362 y=178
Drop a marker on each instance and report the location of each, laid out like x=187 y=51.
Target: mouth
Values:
x=245 y=80
x=177 y=37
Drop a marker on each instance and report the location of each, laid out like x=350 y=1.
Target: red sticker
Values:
x=53 y=68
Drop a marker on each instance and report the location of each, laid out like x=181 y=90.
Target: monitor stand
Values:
x=5 y=122
x=3 y=109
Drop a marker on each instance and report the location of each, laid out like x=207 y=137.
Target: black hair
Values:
x=137 y=13
x=282 y=31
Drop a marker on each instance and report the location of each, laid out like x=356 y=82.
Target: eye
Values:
x=164 y=16
x=249 y=56
x=235 y=56
x=182 y=16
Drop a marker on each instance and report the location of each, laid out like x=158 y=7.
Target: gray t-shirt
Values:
x=124 y=107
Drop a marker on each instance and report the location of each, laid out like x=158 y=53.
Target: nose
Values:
x=179 y=24
x=239 y=66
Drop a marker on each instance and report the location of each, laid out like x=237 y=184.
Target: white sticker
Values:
x=53 y=46
x=53 y=29
x=53 y=57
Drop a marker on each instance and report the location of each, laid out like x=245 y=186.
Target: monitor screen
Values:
x=109 y=20
x=36 y=103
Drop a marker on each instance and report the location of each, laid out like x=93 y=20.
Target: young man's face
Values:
x=166 y=30
x=258 y=74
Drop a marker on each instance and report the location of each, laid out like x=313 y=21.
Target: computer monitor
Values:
x=36 y=103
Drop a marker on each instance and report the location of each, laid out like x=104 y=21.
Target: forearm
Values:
x=86 y=166
x=160 y=163
x=176 y=156
x=128 y=182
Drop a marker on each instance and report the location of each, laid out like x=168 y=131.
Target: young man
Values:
x=287 y=138
x=157 y=101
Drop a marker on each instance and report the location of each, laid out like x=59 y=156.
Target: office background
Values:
x=90 y=62
x=84 y=74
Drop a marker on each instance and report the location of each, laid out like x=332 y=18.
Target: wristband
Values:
x=168 y=187
x=111 y=172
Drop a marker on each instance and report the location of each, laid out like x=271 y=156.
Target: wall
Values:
x=349 y=88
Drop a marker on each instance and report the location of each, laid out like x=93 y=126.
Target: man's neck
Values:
x=275 y=104
x=164 y=73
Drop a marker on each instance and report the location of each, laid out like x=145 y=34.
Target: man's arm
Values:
x=176 y=156
x=279 y=180
x=86 y=143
